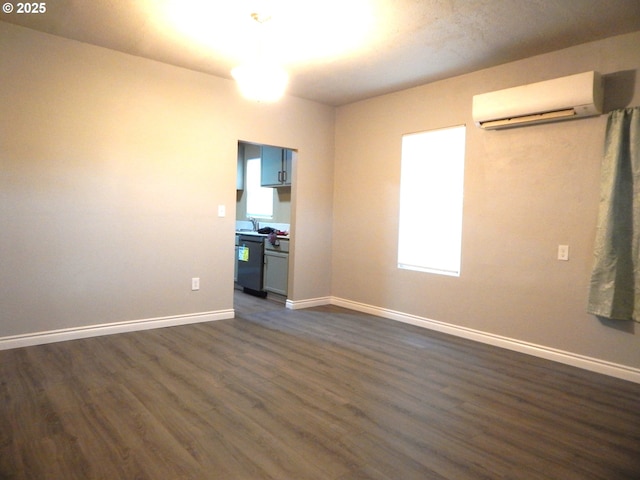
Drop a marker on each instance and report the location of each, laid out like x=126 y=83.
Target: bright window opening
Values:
x=259 y=198
x=431 y=198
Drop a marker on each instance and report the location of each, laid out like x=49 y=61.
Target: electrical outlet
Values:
x=195 y=284
x=563 y=252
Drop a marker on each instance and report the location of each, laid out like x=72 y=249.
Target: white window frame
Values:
x=431 y=201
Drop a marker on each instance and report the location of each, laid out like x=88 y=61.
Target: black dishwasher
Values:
x=251 y=264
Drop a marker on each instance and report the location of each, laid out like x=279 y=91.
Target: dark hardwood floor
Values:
x=323 y=393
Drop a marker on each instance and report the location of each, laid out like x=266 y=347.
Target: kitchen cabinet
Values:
x=276 y=267
x=275 y=166
x=240 y=167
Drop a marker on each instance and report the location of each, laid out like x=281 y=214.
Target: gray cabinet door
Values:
x=240 y=168
x=276 y=272
x=271 y=166
x=286 y=167
x=275 y=166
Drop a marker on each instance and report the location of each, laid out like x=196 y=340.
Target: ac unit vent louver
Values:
x=562 y=98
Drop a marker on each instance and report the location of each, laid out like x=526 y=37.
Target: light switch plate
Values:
x=222 y=211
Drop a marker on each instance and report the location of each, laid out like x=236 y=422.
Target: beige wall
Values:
x=111 y=171
x=527 y=190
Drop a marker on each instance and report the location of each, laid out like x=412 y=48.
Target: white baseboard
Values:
x=62 y=335
x=308 y=303
x=568 y=358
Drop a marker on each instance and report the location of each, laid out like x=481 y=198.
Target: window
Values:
x=259 y=199
x=431 y=192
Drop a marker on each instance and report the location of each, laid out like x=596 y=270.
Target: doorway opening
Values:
x=263 y=222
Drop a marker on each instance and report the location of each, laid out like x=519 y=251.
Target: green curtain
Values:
x=615 y=279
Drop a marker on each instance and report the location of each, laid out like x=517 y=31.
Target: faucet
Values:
x=254 y=222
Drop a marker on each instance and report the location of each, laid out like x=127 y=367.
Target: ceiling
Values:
x=337 y=51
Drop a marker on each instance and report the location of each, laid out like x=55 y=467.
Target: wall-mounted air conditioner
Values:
x=562 y=98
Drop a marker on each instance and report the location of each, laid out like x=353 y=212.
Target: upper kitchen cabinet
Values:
x=240 y=167
x=275 y=166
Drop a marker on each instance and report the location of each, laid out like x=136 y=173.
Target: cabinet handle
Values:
x=284 y=176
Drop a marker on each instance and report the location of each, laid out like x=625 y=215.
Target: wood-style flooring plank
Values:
x=317 y=394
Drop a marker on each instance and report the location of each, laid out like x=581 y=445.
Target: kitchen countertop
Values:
x=256 y=234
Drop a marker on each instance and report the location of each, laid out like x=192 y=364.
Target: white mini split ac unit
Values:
x=562 y=98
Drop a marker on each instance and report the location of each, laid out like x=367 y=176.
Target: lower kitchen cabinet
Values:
x=276 y=267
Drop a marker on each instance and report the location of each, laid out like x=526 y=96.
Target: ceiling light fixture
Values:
x=259 y=79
